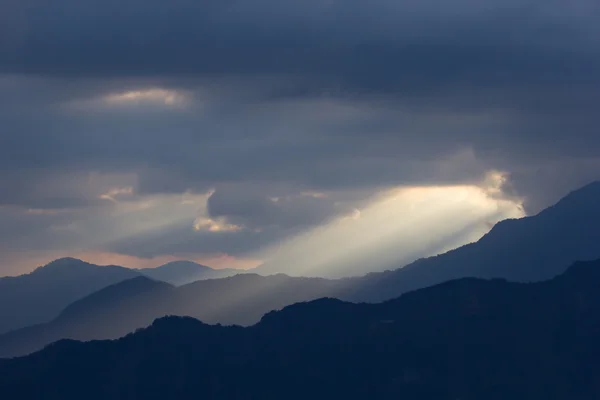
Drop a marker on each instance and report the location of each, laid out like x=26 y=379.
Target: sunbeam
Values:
x=399 y=226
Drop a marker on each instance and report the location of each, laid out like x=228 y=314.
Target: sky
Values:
x=237 y=132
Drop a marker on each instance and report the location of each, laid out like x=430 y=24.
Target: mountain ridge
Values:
x=40 y=295
x=468 y=338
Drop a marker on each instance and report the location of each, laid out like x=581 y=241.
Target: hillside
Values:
x=39 y=296
x=467 y=339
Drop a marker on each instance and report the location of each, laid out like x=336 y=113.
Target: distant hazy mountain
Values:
x=39 y=296
x=121 y=308
x=183 y=272
x=110 y=313
x=467 y=339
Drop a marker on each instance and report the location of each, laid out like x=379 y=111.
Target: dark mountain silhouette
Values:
x=468 y=339
x=40 y=295
x=183 y=272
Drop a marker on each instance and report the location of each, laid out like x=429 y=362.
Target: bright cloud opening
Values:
x=115 y=193
x=154 y=95
x=132 y=99
x=212 y=225
x=398 y=227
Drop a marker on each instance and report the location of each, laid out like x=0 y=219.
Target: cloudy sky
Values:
x=233 y=132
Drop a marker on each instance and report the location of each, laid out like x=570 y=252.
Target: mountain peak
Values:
x=184 y=264
x=41 y=295
x=586 y=197
x=177 y=324
x=61 y=264
x=76 y=266
x=65 y=261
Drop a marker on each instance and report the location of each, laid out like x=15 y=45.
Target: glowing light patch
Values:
x=114 y=193
x=211 y=225
x=315 y=195
x=155 y=95
x=133 y=99
x=494 y=182
x=132 y=216
x=400 y=226
x=43 y=211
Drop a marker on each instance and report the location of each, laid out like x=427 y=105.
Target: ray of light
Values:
x=400 y=226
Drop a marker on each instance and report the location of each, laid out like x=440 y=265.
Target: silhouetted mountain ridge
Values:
x=470 y=338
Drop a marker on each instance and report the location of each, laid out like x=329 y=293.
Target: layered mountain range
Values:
x=467 y=339
x=525 y=250
x=41 y=295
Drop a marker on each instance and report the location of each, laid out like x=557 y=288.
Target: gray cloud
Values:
x=256 y=208
x=309 y=37
x=286 y=97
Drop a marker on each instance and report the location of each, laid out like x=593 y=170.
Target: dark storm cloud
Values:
x=379 y=44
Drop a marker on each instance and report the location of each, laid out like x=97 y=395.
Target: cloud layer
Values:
x=283 y=114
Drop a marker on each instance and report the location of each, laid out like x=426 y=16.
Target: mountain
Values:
x=110 y=313
x=466 y=339
x=126 y=306
x=183 y=272
x=40 y=295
